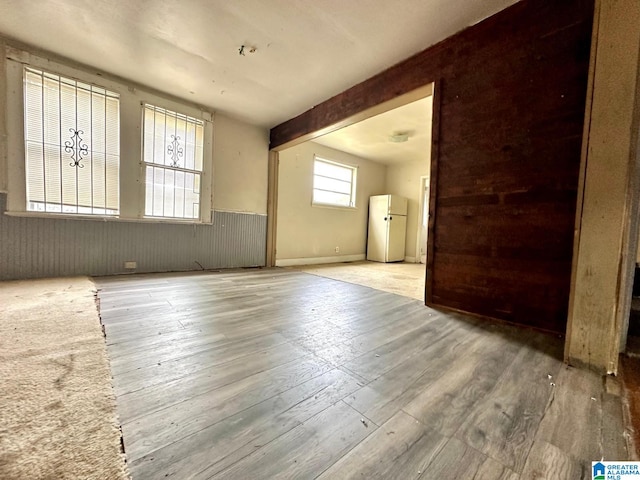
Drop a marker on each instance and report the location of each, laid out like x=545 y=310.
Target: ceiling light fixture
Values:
x=399 y=137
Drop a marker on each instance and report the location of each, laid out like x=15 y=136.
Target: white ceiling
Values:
x=370 y=138
x=307 y=50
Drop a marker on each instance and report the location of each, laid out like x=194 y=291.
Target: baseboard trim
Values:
x=291 y=262
x=410 y=259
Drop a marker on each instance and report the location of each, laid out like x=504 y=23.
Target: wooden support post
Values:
x=272 y=208
x=606 y=230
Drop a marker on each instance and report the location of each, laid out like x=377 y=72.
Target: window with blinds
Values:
x=173 y=153
x=72 y=145
x=334 y=183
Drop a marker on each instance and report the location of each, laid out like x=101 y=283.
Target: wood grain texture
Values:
x=161 y=427
x=156 y=397
x=217 y=447
x=504 y=424
x=458 y=460
x=614 y=444
x=447 y=402
x=548 y=462
x=331 y=379
x=401 y=448
x=307 y=450
x=398 y=387
x=581 y=392
x=509 y=111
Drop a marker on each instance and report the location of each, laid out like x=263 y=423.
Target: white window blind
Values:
x=72 y=145
x=334 y=183
x=173 y=153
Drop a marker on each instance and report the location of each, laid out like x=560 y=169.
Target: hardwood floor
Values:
x=280 y=374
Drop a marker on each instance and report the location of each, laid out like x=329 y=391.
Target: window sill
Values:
x=104 y=218
x=332 y=206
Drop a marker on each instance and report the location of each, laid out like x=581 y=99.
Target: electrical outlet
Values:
x=337 y=249
x=130 y=265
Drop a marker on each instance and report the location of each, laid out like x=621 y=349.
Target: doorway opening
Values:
x=312 y=232
x=390 y=153
x=423 y=221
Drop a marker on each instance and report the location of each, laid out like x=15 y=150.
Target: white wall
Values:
x=404 y=180
x=240 y=150
x=35 y=246
x=240 y=158
x=312 y=232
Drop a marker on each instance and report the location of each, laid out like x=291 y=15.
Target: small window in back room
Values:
x=72 y=145
x=334 y=183
x=173 y=153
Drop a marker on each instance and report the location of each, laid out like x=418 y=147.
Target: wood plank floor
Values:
x=280 y=374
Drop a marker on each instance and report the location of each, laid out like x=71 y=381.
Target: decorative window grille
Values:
x=334 y=183
x=72 y=145
x=173 y=152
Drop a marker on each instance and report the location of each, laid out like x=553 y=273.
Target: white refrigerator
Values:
x=387 y=228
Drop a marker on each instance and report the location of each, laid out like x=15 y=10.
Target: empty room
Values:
x=305 y=239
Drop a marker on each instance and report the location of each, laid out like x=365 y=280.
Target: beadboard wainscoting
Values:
x=32 y=247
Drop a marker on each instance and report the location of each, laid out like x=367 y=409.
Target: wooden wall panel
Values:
x=512 y=100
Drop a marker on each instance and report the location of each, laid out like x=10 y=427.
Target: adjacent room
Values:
x=325 y=223
x=307 y=239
